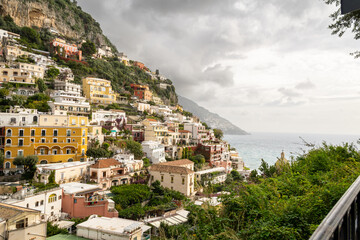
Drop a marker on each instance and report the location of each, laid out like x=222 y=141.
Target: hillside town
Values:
x=71 y=157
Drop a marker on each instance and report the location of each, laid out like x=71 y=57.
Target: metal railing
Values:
x=343 y=221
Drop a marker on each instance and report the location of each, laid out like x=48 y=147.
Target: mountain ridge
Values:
x=214 y=120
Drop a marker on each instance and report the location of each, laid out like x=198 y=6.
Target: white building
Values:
x=197 y=130
x=48 y=202
x=19 y=116
x=99 y=228
x=69 y=87
x=100 y=117
x=71 y=102
x=212 y=175
x=154 y=151
x=64 y=172
x=142 y=107
x=129 y=163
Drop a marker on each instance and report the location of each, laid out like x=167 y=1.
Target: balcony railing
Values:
x=343 y=221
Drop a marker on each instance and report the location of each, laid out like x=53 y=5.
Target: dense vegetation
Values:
x=287 y=203
x=137 y=201
x=121 y=77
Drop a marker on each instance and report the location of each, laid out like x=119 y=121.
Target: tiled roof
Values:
x=105 y=163
x=178 y=162
x=184 y=131
x=170 y=169
x=8 y=211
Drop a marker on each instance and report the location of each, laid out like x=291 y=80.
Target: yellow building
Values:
x=50 y=142
x=98 y=91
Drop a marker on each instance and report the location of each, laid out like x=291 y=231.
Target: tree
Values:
x=236 y=175
x=135 y=148
x=218 y=133
x=97 y=153
x=266 y=170
x=54 y=230
x=205 y=125
x=146 y=162
x=41 y=85
x=30 y=35
x=29 y=165
x=88 y=48
x=18 y=100
x=341 y=23
x=52 y=73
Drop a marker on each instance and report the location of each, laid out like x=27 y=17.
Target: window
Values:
x=52 y=198
x=32 y=132
x=8 y=141
x=55 y=140
x=21 y=142
x=22 y=223
x=83 y=152
x=55 y=151
x=68 y=133
x=55 y=133
x=68 y=151
x=21 y=132
x=23 y=119
x=37 y=204
x=43 y=140
x=42 y=151
x=82 y=122
x=20 y=152
x=7 y=165
x=83 y=133
x=73 y=122
x=8 y=154
x=172 y=179
x=83 y=141
x=104 y=174
x=75 y=200
x=8 y=133
x=162 y=178
x=68 y=140
x=35 y=119
x=43 y=133
x=32 y=140
x=183 y=181
x=42 y=202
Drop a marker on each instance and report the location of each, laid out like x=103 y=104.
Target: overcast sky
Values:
x=267 y=66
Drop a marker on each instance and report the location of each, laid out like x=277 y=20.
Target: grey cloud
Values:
x=223 y=76
x=305 y=85
x=289 y=92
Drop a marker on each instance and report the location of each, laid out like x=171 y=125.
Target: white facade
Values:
x=18 y=116
x=68 y=87
x=100 y=117
x=143 y=107
x=64 y=172
x=103 y=228
x=47 y=202
x=154 y=151
x=69 y=101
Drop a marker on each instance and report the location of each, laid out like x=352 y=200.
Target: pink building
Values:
x=108 y=172
x=81 y=200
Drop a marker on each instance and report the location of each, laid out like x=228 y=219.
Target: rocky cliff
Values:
x=63 y=16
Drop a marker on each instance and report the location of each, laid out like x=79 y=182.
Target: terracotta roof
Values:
x=105 y=163
x=151 y=120
x=177 y=162
x=184 y=131
x=8 y=211
x=170 y=169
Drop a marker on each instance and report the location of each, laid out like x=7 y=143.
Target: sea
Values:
x=268 y=146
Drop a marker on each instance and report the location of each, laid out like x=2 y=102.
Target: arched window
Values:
x=7 y=165
x=8 y=141
x=8 y=154
x=43 y=162
x=52 y=198
x=8 y=133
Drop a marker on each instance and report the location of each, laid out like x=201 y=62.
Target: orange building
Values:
x=139 y=65
x=61 y=47
x=142 y=91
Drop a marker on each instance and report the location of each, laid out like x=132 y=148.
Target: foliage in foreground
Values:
x=288 y=204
